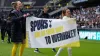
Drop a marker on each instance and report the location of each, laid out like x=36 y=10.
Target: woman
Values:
x=66 y=15
x=18 y=19
x=44 y=14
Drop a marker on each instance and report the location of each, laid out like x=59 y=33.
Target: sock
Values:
x=37 y=49
x=15 y=46
x=21 y=49
x=69 y=51
x=59 y=51
x=53 y=48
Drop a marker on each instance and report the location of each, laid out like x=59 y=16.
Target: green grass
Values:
x=87 y=48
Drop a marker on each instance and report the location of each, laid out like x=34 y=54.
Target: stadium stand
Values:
x=90 y=16
x=87 y=17
x=38 y=2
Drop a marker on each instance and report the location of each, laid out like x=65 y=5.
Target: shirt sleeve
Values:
x=15 y=18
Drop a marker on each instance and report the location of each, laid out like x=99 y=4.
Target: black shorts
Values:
x=18 y=37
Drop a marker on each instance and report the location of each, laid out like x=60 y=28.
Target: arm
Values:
x=40 y=15
x=14 y=17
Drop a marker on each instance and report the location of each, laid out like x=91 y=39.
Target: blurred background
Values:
x=86 y=12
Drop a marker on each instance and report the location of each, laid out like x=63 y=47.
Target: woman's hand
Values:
x=26 y=15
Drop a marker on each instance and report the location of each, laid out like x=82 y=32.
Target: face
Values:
x=68 y=13
x=19 y=5
x=45 y=10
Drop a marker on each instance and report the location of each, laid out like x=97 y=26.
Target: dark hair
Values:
x=63 y=12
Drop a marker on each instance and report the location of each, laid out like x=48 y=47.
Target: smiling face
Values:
x=18 y=5
x=68 y=13
x=45 y=10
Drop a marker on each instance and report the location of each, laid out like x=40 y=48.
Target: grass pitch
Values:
x=87 y=48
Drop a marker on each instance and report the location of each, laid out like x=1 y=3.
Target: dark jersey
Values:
x=18 y=26
x=44 y=15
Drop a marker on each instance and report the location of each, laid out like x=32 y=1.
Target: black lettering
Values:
x=45 y=24
x=74 y=32
x=50 y=23
x=48 y=40
x=32 y=27
x=42 y=24
x=59 y=37
x=63 y=36
x=39 y=24
x=54 y=38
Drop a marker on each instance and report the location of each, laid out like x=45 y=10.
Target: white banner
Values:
x=50 y=33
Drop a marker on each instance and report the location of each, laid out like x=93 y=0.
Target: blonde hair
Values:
x=14 y=4
x=64 y=12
